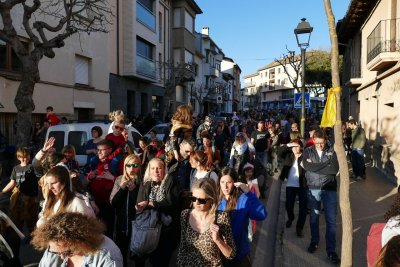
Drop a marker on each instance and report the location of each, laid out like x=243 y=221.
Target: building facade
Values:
x=74 y=82
x=370 y=37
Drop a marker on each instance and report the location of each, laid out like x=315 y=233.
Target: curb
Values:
x=266 y=244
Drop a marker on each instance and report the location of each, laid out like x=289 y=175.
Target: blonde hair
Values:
x=147 y=177
x=116 y=115
x=210 y=189
x=130 y=157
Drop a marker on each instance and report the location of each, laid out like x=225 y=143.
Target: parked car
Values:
x=162 y=131
x=77 y=134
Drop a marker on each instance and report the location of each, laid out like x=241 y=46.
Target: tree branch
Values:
x=10 y=3
x=28 y=11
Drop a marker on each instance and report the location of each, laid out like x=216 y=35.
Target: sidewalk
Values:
x=369 y=199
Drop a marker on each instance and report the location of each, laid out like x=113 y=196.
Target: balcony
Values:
x=250 y=84
x=145 y=67
x=214 y=72
x=383 y=45
x=145 y=16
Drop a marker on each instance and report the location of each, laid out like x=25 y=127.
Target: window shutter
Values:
x=81 y=70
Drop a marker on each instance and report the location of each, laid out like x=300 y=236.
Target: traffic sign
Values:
x=297 y=100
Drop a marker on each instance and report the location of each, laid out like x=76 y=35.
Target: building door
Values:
x=144 y=102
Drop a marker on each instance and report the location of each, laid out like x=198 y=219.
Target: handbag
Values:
x=146 y=231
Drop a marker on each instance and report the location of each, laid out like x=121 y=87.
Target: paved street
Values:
x=369 y=198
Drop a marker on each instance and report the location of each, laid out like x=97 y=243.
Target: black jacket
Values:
x=124 y=202
x=321 y=172
x=287 y=157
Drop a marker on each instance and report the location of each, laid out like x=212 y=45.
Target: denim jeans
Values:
x=330 y=201
x=291 y=193
x=357 y=161
x=263 y=158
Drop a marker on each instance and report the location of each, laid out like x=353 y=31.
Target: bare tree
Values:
x=47 y=24
x=290 y=60
x=201 y=93
x=344 y=199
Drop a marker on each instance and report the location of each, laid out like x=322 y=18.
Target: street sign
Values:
x=297 y=100
x=219 y=99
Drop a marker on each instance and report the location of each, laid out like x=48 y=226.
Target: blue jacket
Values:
x=247 y=207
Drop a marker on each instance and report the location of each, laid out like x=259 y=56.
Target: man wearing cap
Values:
x=359 y=139
x=259 y=138
x=205 y=126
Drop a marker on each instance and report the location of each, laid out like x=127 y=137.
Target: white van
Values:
x=77 y=134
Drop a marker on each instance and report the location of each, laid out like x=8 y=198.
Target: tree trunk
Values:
x=24 y=102
x=344 y=199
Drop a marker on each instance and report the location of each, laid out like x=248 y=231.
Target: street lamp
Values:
x=303 y=34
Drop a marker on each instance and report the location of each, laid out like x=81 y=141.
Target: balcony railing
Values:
x=214 y=72
x=250 y=84
x=145 y=67
x=145 y=16
x=384 y=38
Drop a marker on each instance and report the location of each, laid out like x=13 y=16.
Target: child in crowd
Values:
x=116 y=136
x=24 y=185
x=51 y=117
x=69 y=152
x=116 y=115
x=249 y=178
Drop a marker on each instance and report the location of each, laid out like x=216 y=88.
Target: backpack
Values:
x=146 y=231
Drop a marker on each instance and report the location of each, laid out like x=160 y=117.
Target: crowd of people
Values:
x=204 y=182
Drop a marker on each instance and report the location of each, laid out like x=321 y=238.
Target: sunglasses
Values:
x=134 y=165
x=200 y=200
x=64 y=254
x=118 y=128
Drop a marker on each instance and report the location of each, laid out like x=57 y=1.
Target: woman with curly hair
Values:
x=61 y=197
x=74 y=239
x=181 y=129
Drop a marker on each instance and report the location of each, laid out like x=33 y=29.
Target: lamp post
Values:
x=303 y=34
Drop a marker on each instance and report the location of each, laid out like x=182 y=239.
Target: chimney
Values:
x=205 y=31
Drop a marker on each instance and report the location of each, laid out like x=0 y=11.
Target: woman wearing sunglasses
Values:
x=123 y=199
x=235 y=197
x=205 y=234
x=160 y=191
x=73 y=239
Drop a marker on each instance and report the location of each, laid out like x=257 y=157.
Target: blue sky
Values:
x=255 y=32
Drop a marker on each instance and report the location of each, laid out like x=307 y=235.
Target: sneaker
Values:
x=333 y=257
x=288 y=223
x=312 y=247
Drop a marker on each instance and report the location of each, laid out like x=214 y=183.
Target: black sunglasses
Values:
x=200 y=200
x=118 y=128
x=134 y=165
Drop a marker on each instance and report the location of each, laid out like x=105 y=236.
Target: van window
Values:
x=59 y=139
x=78 y=139
x=136 y=137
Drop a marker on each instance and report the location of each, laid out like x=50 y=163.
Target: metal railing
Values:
x=145 y=66
x=384 y=38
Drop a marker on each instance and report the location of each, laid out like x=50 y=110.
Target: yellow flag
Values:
x=329 y=115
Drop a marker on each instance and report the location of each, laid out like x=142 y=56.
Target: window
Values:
x=82 y=70
x=144 y=48
x=59 y=139
x=177 y=17
x=160 y=27
x=145 y=14
x=8 y=58
x=189 y=22
x=188 y=57
x=147 y=4
x=78 y=139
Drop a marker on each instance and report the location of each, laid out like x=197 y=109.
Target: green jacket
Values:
x=358 y=137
